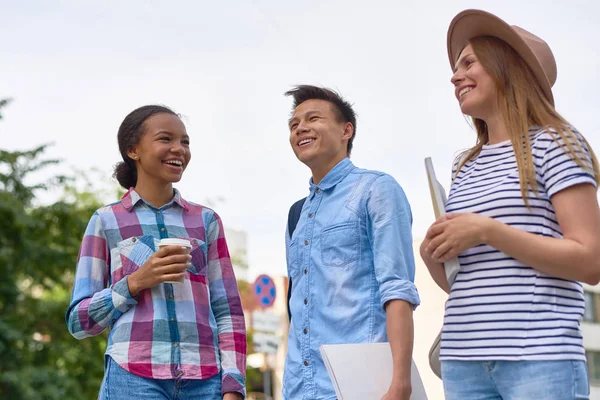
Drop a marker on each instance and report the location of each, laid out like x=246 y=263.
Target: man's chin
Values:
x=306 y=159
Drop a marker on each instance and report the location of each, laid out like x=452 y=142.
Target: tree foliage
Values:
x=39 y=244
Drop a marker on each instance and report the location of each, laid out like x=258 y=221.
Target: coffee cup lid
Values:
x=175 y=242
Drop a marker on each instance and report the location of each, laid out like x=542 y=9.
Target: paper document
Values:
x=364 y=371
x=438 y=199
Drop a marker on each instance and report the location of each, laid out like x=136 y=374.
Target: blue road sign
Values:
x=264 y=289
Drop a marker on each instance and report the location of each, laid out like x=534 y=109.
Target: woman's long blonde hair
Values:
x=522 y=103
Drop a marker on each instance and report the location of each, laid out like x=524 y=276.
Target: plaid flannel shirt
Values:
x=171 y=331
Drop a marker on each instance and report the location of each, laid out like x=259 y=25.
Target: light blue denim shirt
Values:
x=350 y=253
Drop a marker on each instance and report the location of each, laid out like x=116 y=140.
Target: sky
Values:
x=76 y=69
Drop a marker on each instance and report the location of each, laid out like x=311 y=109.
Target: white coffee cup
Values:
x=175 y=242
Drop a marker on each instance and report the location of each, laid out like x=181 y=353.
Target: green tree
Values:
x=39 y=244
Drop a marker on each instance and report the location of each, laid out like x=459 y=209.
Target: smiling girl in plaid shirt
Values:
x=167 y=340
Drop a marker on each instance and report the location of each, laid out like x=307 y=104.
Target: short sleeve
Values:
x=558 y=169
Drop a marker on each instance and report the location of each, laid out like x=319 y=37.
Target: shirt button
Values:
x=310 y=215
x=305 y=331
x=305 y=271
x=162 y=229
x=175 y=344
x=158 y=212
x=318 y=190
x=305 y=301
x=179 y=373
x=172 y=319
x=305 y=363
x=170 y=296
x=133 y=240
x=306 y=242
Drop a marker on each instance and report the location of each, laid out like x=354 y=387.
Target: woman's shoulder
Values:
x=544 y=139
x=111 y=208
x=208 y=214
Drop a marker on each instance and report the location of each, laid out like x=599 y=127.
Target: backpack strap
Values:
x=293 y=217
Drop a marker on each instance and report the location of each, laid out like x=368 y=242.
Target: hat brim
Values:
x=469 y=24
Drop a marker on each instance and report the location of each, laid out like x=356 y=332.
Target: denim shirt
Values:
x=350 y=254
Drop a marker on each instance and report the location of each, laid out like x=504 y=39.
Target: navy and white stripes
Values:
x=499 y=308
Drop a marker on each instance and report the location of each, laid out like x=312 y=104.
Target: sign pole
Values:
x=266 y=325
x=267 y=379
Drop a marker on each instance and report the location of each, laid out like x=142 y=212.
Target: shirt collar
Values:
x=131 y=198
x=334 y=176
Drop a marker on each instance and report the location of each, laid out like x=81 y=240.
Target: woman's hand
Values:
x=436 y=269
x=452 y=234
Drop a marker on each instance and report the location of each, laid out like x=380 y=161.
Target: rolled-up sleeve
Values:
x=390 y=224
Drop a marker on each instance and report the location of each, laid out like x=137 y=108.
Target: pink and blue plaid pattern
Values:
x=172 y=331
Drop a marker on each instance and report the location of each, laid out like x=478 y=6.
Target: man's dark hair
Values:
x=341 y=108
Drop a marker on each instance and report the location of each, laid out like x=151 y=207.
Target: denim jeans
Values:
x=119 y=384
x=515 y=380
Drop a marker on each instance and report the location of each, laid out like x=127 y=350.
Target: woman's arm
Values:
x=94 y=306
x=576 y=256
x=436 y=269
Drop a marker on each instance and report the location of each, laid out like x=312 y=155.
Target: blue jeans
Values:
x=119 y=384
x=515 y=380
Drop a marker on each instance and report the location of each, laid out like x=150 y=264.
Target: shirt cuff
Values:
x=399 y=290
x=568 y=181
x=121 y=297
x=233 y=382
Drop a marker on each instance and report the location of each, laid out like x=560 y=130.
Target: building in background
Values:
x=237 y=242
x=276 y=361
x=591 y=337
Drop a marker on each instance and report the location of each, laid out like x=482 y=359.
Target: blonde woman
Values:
x=523 y=220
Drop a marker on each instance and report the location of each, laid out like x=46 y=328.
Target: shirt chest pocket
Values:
x=340 y=245
x=130 y=254
x=199 y=254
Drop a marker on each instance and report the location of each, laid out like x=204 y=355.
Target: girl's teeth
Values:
x=465 y=90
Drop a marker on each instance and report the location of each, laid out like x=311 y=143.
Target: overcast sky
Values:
x=75 y=69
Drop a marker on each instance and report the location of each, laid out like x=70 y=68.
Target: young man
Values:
x=350 y=257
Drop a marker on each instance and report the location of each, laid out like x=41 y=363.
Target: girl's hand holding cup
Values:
x=167 y=265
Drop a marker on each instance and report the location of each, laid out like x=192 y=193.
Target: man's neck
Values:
x=320 y=171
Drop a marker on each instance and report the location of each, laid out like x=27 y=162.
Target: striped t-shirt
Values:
x=500 y=308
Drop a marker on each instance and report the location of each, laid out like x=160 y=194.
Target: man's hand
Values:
x=232 y=396
x=398 y=391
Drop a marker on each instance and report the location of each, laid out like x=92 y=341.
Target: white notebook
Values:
x=364 y=371
x=438 y=199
